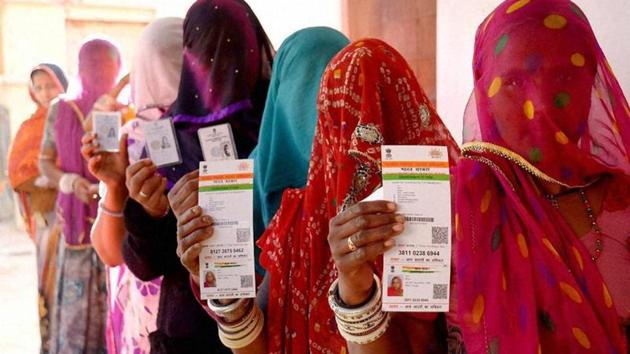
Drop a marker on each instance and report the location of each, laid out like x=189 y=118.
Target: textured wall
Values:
x=408 y=25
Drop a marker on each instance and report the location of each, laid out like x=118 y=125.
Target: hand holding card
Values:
x=107 y=130
x=161 y=142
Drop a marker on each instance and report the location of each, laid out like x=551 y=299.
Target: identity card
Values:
x=226 y=262
x=417 y=270
x=107 y=130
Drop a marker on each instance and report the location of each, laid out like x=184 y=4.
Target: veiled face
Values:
x=544 y=75
x=99 y=67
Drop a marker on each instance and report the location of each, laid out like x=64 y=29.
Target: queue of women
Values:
x=540 y=191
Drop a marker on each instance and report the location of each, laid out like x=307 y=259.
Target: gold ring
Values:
x=143 y=195
x=351 y=246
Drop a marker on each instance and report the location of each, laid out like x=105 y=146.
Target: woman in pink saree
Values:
x=544 y=189
x=543 y=192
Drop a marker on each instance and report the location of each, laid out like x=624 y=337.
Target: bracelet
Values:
x=109 y=212
x=66 y=183
x=364 y=324
x=168 y=209
x=233 y=312
x=243 y=333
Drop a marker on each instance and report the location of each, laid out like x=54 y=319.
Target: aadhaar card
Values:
x=417 y=270
x=226 y=262
x=107 y=129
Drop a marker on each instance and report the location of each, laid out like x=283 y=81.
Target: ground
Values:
x=19 y=326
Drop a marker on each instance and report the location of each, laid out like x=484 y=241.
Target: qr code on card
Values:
x=440 y=291
x=439 y=235
x=247 y=281
x=242 y=235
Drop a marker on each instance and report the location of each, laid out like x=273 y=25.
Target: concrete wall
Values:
x=457 y=22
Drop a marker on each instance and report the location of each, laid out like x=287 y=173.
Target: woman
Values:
x=542 y=194
x=282 y=156
x=368 y=97
x=227 y=61
x=6 y=195
x=556 y=185
x=36 y=196
x=133 y=304
x=395 y=287
x=286 y=135
x=78 y=322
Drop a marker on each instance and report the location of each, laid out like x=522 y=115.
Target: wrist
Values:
x=353 y=295
x=116 y=195
x=362 y=324
x=156 y=214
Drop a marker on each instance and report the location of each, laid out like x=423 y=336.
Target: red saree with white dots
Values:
x=368 y=97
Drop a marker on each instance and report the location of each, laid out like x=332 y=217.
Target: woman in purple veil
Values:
x=78 y=321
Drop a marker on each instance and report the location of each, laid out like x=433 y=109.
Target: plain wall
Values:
x=279 y=18
x=457 y=23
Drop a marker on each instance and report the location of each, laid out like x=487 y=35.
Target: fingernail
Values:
x=391 y=206
x=400 y=219
x=206 y=219
x=390 y=243
x=398 y=227
x=196 y=210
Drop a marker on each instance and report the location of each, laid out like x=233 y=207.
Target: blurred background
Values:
x=435 y=36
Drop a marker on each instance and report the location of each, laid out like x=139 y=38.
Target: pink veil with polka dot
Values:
x=546 y=108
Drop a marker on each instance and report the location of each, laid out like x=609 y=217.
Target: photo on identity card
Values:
x=217 y=143
x=107 y=130
x=161 y=142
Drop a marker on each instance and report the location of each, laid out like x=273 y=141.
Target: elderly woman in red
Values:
x=542 y=198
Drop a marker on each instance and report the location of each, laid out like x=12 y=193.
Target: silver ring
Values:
x=143 y=195
x=351 y=246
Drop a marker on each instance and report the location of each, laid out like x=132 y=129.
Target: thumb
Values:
x=124 y=148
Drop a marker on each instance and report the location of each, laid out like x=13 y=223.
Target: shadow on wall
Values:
x=6 y=195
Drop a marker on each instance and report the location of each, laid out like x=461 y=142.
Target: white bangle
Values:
x=109 y=212
x=362 y=325
x=66 y=182
x=233 y=312
x=245 y=332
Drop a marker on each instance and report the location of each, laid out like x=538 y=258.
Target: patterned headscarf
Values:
x=546 y=109
x=368 y=97
x=225 y=76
